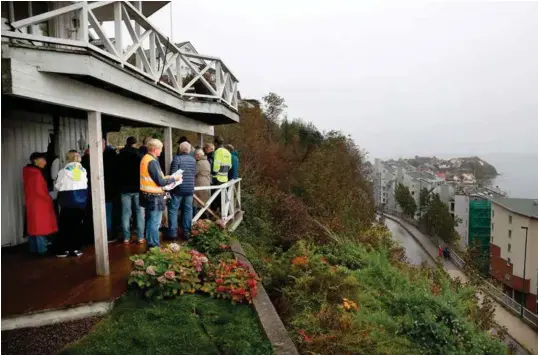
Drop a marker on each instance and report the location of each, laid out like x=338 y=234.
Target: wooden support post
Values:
x=98 y=192
x=138 y=5
x=30 y=14
x=153 y=55
x=117 y=30
x=200 y=139
x=218 y=77
x=82 y=32
x=168 y=146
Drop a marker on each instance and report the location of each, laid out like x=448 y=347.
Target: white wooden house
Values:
x=63 y=72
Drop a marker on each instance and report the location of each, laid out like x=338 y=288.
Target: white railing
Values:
x=230 y=201
x=138 y=45
x=498 y=294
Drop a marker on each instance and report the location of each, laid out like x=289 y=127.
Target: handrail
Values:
x=230 y=200
x=163 y=62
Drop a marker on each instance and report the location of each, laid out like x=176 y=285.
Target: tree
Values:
x=405 y=200
x=274 y=106
x=424 y=201
x=438 y=221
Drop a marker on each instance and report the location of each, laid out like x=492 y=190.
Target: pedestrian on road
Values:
x=440 y=250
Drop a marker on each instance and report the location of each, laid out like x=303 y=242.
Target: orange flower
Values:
x=350 y=305
x=299 y=260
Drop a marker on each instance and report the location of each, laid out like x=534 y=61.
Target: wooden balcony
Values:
x=112 y=45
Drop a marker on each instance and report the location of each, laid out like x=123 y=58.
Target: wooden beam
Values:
x=101 y=33
x=168 y=145
x=138 y=29
x=83 y=34
x=46 y=16
x=98 y=193
x=118 y=30
x=200 y=137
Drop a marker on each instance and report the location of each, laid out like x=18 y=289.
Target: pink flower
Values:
x=161 y=279
x=139 y=262
x=150 y=271
x=170 y=275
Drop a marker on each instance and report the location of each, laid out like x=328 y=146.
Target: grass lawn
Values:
x=192 y=324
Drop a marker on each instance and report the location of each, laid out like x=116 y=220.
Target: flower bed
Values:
x=174 y=270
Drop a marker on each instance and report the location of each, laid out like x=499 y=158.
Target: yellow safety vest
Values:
x=222 y=163
x=146 y=182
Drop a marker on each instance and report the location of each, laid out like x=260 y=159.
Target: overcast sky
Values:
x=402 y=79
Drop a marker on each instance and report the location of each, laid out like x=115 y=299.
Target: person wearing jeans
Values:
x=152 y=181
x=129 y=168
x=130 y=201
x=185 y=204
x=182 y=195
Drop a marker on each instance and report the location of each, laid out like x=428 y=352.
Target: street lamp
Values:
x=524 y=267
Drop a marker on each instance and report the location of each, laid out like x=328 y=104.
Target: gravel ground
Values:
x=45 y=340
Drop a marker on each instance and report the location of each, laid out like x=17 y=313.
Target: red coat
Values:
x=40 y=216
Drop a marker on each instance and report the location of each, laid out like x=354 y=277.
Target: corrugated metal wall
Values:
x=71 y=131
x=22 y=134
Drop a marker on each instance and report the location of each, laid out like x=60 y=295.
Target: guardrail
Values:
x=150 y=53
x=230 y=201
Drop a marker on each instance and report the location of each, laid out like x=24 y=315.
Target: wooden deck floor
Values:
x=32 y=284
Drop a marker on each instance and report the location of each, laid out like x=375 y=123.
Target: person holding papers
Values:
x=182 y=195
x=152 y=181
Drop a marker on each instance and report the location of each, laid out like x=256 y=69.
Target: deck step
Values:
x=56 y=316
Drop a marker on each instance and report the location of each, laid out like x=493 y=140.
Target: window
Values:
x=492 y=225
x=492 y=213
x=510 y=219
x=413 y=193
x=509 y=233
x=509 y=247
x=509 y=261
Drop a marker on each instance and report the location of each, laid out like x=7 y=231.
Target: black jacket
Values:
x=109 y=169
x=129 y=169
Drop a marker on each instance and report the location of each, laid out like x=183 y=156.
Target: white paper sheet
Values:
x=175 y=184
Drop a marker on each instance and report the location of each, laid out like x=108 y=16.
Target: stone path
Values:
x=517 y=328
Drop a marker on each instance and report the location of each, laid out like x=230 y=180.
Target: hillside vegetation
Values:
x=337 y=279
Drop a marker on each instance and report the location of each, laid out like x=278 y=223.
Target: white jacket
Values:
x=72 y=177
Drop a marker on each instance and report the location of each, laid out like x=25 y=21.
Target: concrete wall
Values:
x=500 y=237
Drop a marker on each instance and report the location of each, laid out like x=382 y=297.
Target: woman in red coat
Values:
x=40 y=216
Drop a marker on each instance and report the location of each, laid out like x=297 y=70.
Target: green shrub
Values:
x=208 y=238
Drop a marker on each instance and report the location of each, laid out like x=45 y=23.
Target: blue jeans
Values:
x=38 y=245
x=108 y=207
x=128 y=201
x=153 y=222
x=185 y=202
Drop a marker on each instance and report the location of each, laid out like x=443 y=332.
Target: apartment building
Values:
x=514 y=248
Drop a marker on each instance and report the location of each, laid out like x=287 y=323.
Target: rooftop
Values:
x=524 y=206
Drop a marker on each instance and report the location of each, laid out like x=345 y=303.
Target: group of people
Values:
x=444 y=252
x=134 y=178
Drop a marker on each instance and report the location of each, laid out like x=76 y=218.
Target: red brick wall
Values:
x=499 y=269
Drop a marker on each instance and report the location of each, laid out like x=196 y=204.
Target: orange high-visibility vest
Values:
x=146 y=182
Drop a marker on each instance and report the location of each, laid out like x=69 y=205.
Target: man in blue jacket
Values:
x=182 y=195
